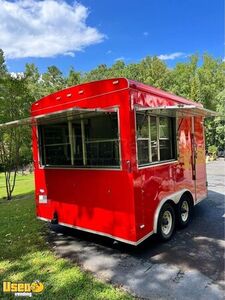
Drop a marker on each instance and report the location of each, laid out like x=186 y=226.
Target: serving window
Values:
x=81 y=141
x=156 y=138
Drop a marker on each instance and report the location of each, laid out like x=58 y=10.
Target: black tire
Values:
x=166 y=222
x=184 y=211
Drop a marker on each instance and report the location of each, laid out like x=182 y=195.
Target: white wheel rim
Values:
x=184 y=211
x=167 y=221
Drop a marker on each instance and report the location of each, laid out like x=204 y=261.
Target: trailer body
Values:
x=109 y=154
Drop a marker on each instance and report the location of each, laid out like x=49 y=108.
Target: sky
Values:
x=88 y=33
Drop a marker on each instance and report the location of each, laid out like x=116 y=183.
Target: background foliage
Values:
x=201 y=79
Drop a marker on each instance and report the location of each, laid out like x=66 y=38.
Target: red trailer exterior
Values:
x=149 y=169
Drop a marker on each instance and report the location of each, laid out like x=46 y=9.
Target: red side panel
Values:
x=98 y=200
x=91 y=199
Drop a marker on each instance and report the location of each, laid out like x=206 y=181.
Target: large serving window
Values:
x=156 y=138
x=84 y=141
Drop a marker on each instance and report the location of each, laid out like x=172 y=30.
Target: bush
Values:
x=212 y=152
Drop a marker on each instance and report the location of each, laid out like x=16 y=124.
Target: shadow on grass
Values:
x=19 y=229
x=22 y=196
x=61 y=281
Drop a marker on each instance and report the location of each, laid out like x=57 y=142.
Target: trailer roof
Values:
x=158 y=92
x=97 y=88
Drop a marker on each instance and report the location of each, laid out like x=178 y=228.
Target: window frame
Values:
x=174 y=143
x=73 y=167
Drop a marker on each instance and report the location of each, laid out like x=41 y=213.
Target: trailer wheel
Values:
x=184 y=211
x=166 y=222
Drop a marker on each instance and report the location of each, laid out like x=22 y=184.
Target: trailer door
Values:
x=198 y=158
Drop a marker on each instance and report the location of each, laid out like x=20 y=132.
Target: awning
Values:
x=178 y=110
x=59 y=116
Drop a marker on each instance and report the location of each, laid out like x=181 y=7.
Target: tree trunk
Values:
x=10 y=184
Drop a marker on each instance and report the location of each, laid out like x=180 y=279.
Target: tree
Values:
x=3 y=68
x=52 y=80
x=212 y=77
x=215 y=129
x=73 y=78
x=33 y=81
x=183 y=78
x=101 y=72
x=14 y=104
x=153 y=71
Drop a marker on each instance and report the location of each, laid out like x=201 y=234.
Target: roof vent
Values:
x=69 y=95
x=58 y=98
x=81 y=92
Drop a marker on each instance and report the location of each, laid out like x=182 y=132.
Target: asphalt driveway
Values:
x=190 y=266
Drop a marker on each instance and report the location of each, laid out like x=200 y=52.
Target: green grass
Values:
x=25 y=255
x=24 y=185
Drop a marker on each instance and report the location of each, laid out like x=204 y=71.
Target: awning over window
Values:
x=179 y=111
x=59 y=116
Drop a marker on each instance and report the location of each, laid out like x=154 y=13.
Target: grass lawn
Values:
x=25 y=256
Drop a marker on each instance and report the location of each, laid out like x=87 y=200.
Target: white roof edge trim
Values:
x=141 y=108
x=26 y=121
x=196 y=110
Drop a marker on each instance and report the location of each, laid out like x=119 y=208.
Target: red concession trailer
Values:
x=118 y=158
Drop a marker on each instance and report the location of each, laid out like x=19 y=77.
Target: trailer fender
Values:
x=175 y=198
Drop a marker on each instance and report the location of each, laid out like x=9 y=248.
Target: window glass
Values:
x=143 y=152
x=158 y=132
x=165 y=149
x=154 y=143
x=101 y=140
x=102 y=153
x=55 y=144
x=165 y=140
x=153 y=128
x=154 y=149
x=77 y=143
x=81 y=142
x=142 y=126
x=164 y=127
x=142 y=121
x=104 y=126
